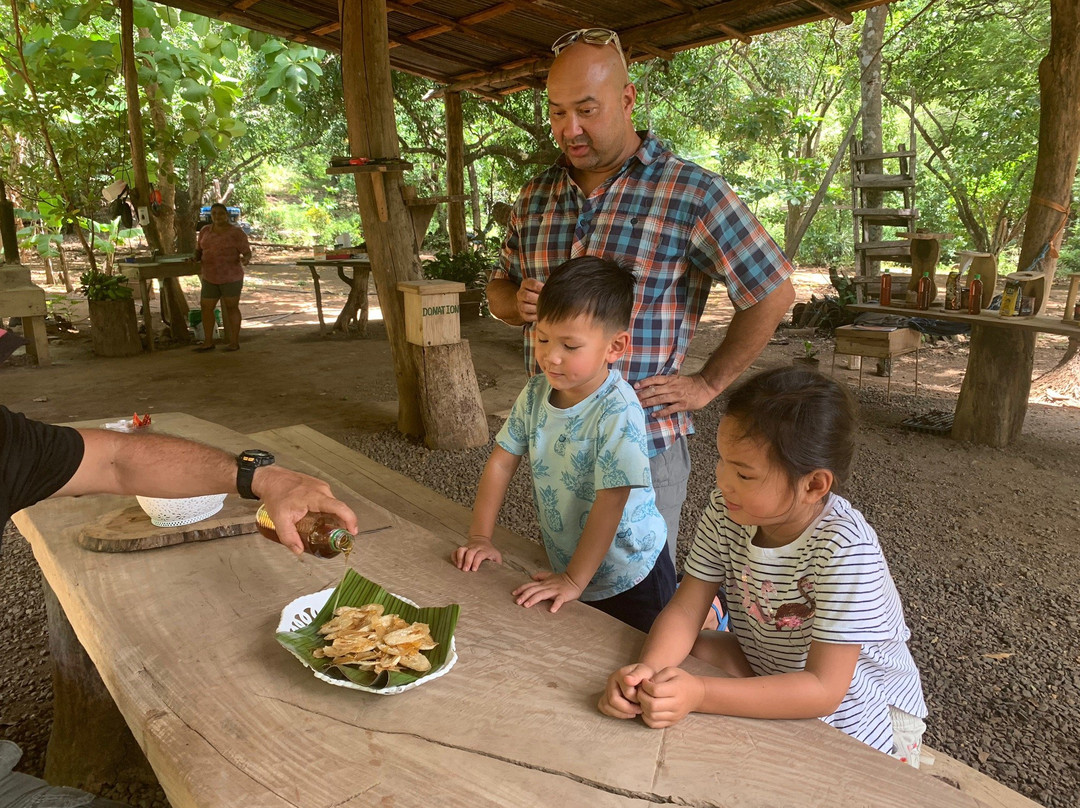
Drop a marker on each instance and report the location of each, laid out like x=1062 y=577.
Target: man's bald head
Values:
x=590 y=107
x=603 y=64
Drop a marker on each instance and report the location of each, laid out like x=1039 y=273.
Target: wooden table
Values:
x=358 y=290
x=183 y=639
x=878 y=344
x=144 y=273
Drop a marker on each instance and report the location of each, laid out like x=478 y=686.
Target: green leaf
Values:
x=201 y=25
x=188 y=16
x=256 y=39
x=293 y=104
x=212 y=41
x=190 y=136
x=191 y=114
x=191 y=90
x=228 y=49
x=145 y=16
x=207 y=147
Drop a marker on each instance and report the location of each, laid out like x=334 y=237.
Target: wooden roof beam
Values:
x=660 y=53
x=528 y=69
x=501 y=42
x=714 y=17
x=427 y=33
x=832 y=10
x=570 y=20
x=402 y=42
x=488 y=13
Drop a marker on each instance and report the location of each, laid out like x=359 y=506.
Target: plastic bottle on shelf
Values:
x=320 y=536
x=952 y=291
x=922 y=296
x=975 y=293
x=885 y=298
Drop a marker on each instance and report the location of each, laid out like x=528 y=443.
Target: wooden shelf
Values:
x=1038 y=322
x=369 y=169
x=435 y=200
x=884 y=182
x=892 y=155
x=895 y=217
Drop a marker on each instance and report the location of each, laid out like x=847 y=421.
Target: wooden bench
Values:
x=421 y=505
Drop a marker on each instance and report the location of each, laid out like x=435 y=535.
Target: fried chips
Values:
x=371 y=640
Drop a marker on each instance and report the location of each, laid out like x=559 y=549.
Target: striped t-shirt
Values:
x=831 y=585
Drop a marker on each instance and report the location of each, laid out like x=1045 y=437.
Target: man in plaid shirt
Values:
x=620 y=194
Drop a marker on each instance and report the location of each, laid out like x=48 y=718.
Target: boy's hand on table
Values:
x=620 y=698
x=558 y=588
x=668 y=696
x=475 y=553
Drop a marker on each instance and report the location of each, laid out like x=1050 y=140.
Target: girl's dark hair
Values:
x=592 y=286
x=806 y=419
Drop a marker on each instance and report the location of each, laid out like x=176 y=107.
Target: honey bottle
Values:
x=320 y=536
x=975 y=295
x=922 y=299
x=885 y=298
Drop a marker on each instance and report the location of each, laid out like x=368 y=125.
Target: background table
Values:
x=183 y=639
x=358 y=290
x=146 y=272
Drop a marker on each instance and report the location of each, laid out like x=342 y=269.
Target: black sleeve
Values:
x=36 y=460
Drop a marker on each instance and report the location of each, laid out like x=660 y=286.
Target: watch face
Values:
x=256 y=457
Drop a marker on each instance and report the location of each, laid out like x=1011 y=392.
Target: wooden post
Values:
x=1001 y=359
x=369 y=115
x=455 y=173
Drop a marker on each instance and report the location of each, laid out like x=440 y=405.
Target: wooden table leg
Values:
x=362 y=276
x=37 y=339
x=148 y=320
x=318 y=300
x=90 y=745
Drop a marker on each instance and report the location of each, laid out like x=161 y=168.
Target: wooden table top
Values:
x=183 y=638
x=1038 y=322
x=334 y=262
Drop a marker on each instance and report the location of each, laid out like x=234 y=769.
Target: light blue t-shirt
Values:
x=596 y=444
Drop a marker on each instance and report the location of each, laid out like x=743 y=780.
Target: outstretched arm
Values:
x=747 y=334
x=490 y=493
x=165 y=466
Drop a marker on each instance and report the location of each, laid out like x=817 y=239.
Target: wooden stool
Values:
x=857 y=341
x=20 y=297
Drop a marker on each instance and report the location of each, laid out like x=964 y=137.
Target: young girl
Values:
x=817 y=629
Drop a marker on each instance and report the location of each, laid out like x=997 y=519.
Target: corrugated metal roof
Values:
x=498 y=46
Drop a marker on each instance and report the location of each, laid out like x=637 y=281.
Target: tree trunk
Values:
x=455 y=173
x=114 y=329
x=391 y=243
x=1006 y=357
x=452 y=410
x=873 y=33
x=166 y=214
x=474 y=197
x=134 y=117
x=1062 y=383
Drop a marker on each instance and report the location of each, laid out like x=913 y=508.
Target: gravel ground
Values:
x=983 y=545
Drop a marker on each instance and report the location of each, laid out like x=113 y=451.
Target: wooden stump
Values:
x=450 y=406
x=114 y=329
x=90 y=745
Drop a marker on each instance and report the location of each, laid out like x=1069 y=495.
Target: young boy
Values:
x=584 y=430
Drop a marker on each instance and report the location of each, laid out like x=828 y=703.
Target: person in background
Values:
x=621 y=194
x=584 y=432
x=223 y=251
x=817 y=627
x=39 y=460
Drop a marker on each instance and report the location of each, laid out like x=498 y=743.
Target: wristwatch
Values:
x=246 y=463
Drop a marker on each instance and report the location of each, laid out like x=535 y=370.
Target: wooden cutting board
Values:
x=130 y=529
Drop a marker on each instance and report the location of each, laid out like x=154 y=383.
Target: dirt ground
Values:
x=953 y=506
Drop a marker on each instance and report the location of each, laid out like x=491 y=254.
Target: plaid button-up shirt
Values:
x=679 y=226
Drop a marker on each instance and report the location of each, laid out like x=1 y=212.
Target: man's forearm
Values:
x=502 y=301
x=748 y=333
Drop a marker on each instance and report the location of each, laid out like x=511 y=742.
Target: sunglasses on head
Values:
x=590 y=36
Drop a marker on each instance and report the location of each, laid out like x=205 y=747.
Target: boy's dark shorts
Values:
x=639 y=606
x=221 y=291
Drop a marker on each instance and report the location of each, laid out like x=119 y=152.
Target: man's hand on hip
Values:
x=676 y=393
x=527 y=295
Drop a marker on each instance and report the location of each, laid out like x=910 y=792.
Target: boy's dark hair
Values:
x=219 y=205
x=596 y=287
x=806 y=419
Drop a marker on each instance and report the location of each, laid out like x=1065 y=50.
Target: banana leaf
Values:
x=356 y=590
